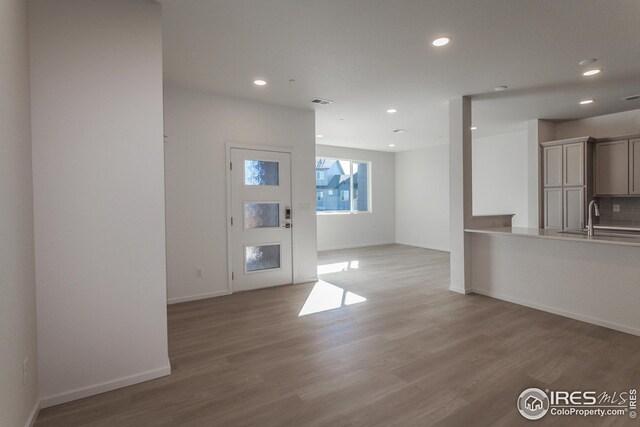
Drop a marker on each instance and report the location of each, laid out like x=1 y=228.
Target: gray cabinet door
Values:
x=573 y=171
x=553 y=208
x=553 y=166
x=574 y=208
x=634 y=166
x=612 y=168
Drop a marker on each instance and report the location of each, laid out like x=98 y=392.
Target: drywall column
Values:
x=98 y=171
x=460 y=195
x=537 y=131
x=18 y=401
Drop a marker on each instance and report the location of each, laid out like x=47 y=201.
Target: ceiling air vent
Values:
x=398 y=131
x=632 y=97
x=321 y=101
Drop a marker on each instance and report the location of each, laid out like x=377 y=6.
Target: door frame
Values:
x=273 y=149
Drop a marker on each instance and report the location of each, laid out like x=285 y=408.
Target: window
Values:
x=342 y=185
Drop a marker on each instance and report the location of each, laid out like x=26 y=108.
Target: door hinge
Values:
x=231 y=220
x=232 y=276
x=230 y=166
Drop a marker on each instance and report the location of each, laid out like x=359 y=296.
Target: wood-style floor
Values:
x=412 y=354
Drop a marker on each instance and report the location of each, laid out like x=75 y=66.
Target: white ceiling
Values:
x=371 y=55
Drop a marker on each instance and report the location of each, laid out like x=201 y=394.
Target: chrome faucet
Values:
x=590 y=223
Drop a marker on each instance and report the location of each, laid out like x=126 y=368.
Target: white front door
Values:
x=260 y=219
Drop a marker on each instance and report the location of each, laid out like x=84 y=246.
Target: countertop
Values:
x=539 y=233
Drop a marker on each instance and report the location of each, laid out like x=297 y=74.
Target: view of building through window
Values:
x=342 y=185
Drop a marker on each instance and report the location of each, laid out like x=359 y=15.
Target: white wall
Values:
x=98 y=169
x=500 y=177
x=617 y=124
x=17 y=271
x=198 y=127
x=422 y=197
x=339 y=231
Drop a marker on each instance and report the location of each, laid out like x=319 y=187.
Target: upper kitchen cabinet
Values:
x=612 y=165
x=574 y=164
x=552 y=166
x=634 y=166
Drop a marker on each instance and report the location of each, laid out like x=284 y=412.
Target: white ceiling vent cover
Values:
x=321 y=101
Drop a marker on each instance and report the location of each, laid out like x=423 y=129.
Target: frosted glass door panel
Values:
x=261 y=215
x=261 y=172
x=263 y=257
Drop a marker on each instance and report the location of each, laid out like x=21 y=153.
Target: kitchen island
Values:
x=592 y=279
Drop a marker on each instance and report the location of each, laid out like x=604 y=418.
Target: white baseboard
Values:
x=198 y=297
x=105 y=386
x=301 y=281
x=560 y=312
x=459 y=290
x=33 y=415
x=356 y=246
x=417 y=245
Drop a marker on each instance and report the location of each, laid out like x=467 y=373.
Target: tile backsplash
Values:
x=629 y=209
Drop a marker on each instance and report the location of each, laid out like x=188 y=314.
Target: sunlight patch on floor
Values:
x=325 y=296
x=338 y=267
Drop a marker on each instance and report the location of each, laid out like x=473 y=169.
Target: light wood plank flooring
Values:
x=412 y=354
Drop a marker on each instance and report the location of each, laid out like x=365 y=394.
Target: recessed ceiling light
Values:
x=441 y=41
x=586 y=101
x=392 y=110
x=259 y=82
x=587 y=62
x=592 y=72
x=318 y=136
x=392 y=145
x=500 y=88
x=474 y=127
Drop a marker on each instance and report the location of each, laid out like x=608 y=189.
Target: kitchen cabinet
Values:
x=573 y=208
x=567 y=177
x=553 y=207
x=612 y=168
x=634 y=166
x=573 y=164
x=553 y=166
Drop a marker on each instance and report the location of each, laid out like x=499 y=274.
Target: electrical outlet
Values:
x=25 y=371
x=198 y=273
x=616 y=208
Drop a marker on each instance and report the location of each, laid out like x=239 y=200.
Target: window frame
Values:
x=351 y=193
